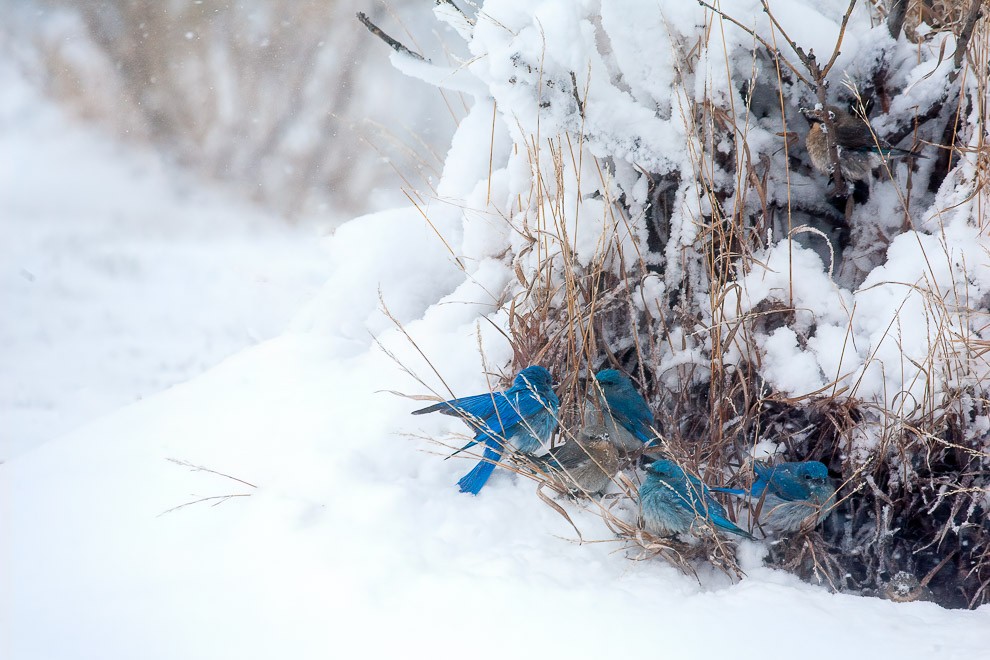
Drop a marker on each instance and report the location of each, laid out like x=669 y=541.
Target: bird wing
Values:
x=730 y=491
x=855 y=134
x=764 y=475
x=714 y=511
x=568 y=456
x=722 y=522
x=479 y=406
x=788 y=487
x=513 y=408
x=781 y=482
x=633 y=415
x=497 y=410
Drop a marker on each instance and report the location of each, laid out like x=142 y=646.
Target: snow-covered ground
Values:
x=284 y=504
x=355 y=544
x=118 y=279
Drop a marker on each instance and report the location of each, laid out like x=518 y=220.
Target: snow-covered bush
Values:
x=631 y=187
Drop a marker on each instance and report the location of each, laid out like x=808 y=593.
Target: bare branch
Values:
x=895 y=17
x=973 y=15
x=838 y=42
x=577 y=97
x=392 y=43
x=200 y=468
x=216 y=499
x=773 y=50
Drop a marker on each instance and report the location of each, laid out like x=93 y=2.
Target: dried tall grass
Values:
x=913 y=499
x=268 y=97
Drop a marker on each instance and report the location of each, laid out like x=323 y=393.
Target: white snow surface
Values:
x=344 y=535
x=355 y=543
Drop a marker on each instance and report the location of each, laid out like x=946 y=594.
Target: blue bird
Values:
x=671 y=501
x=522 y=417
x=787 y=494
x=627 y=418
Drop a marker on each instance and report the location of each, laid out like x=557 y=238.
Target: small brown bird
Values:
x=585 y=464
x=905 y=588
x=859 y=149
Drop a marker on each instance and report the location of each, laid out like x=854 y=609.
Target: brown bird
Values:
x=906 y=588
x=859 y=149
x=587 y=463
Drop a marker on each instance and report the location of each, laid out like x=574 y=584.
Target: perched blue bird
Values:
x=585 y=463
x=522 y=417
x=671 y=501
x=627 y=418
x=790 y=493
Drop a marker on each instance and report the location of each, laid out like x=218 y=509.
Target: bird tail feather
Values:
x=475 y=480
x=735 y=529
x=443 y=406
x=467 y=446
x=730 y=491
x=895 y=152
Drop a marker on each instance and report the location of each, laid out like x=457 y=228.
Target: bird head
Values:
x=813 y=472
x=814 y=475
x=534 y=377
x=817 y=114
x=614 y=382
x=666 y=469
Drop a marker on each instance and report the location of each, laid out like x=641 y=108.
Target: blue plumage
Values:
x=671 y=501
x=628 y=420
x=790 y=493
x=523 y=417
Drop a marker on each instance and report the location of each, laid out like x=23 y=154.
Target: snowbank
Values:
x=355 y=543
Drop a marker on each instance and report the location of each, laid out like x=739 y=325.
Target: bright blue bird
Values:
x=787 y=494
x=628 y=419
x=522 y=417
x=671 y=501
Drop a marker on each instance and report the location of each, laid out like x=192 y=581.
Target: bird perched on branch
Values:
x=788 y=494
x=522 y=417
x=586 y=463
x=859 y=148
x=671 y=501
x=626 y=417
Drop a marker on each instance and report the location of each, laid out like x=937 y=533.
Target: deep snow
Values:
x=355 y=543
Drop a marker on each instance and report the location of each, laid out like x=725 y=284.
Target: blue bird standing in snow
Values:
x=523 y=416
x=671 y=501
x=787 y=494
x=627 y=418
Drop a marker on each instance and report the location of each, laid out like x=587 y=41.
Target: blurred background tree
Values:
x=291 y=102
